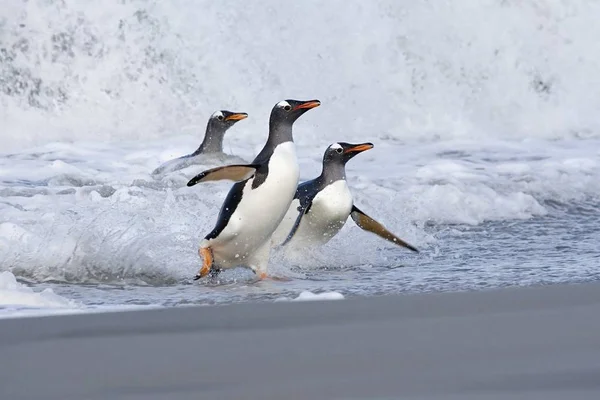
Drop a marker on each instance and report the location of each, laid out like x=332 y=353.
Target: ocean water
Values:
x=483 y=115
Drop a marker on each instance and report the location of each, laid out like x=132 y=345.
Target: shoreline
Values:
x=519 y=342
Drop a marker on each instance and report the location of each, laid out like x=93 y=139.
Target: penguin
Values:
x=212 y=145
x=258 y=201
x=321 y=206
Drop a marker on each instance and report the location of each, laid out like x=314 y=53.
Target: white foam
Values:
x=408 y=71
x=15 y=296
x=310 y=296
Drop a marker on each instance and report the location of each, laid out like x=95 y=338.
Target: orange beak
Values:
x=360 y=147
x=237 y=117
x=308 y=105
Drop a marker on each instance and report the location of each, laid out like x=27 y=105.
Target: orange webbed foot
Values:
x=207 y=257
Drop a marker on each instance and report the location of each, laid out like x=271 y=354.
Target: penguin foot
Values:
x=207 y=257
x=214 y=272
x=264 y=275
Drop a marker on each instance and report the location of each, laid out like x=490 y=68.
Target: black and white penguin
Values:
x=258 y=200
x=212 y=145
x=321 y=206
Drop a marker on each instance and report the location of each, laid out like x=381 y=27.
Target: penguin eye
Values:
x=220 y=117
x=287 y=107
x=339 y=150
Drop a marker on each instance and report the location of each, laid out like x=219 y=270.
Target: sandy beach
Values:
x=514 y=343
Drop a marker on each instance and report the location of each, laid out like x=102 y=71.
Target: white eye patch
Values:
x=335 y=146
x=283 y=104
x=217 y=114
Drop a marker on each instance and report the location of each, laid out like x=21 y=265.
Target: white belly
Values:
x=260 y=211
x=327 y=215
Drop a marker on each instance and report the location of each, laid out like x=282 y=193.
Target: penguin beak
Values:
x=307 y=105
x=236 y=117
x=359 y=148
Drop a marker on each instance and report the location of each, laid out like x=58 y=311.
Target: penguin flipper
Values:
x=302 y=209
x=234 y=173
x=172 y=165
x=369 y=224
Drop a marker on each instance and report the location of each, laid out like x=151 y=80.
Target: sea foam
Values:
x=17 y=296
x=395 y=70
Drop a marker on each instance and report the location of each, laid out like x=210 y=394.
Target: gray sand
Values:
x=520 y=343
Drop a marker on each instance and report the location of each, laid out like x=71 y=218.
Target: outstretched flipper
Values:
x=234 y=173
x=369 y=224
x=302 y=209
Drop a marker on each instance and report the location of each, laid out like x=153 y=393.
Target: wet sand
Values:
x=516 y=343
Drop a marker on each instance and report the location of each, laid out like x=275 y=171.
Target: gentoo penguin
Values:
x=217 y=125
x=321 y=206
x=258 y=200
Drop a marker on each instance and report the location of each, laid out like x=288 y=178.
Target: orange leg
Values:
x=207 y=257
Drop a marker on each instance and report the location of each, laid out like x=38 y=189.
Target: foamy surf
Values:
x=17 y=299
x=310 y=296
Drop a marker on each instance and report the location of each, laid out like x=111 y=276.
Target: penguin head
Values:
x=342 y=152
x=290 y=110
x=217 y=125
x=223 y=120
